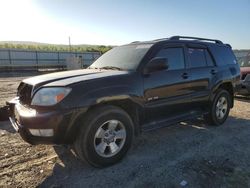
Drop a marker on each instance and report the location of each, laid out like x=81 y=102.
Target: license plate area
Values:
x=14 y=123
x=15 y=119
x=16 y=115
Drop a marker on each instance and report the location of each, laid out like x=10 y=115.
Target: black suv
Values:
x=132 y=88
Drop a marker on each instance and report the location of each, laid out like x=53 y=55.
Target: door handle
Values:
x=213 y=71
x=184 y=75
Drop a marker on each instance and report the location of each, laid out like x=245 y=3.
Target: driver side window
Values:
x=174 y=56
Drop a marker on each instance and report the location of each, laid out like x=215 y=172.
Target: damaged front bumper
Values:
x=38 y=127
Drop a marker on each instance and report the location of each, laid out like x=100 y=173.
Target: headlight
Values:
x=49 y=96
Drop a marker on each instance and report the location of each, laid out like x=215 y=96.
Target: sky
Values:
x=117 y=22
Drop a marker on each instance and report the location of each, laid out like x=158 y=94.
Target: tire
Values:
x=105 y=137
x=219 y=108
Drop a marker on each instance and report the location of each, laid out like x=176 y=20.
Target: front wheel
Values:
x=219 y=108
x=105 y=136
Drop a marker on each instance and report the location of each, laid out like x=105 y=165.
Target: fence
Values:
x=13 y=59
x=241 y=54
x=243 y=57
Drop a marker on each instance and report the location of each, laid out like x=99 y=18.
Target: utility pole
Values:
x=69 y=44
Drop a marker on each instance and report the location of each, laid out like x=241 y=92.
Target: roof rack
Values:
x=161 y=39
x=195 y=38
x=134 y=42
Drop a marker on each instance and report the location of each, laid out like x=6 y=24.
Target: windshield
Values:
x=125 y=57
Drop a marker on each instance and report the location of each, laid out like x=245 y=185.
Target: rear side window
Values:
x=209 y=59
x=174 y=56
x=223 y=55
x=197 y=57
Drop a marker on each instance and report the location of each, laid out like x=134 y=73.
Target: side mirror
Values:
x=156 y=64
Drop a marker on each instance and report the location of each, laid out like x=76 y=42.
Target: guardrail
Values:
x=14 y=59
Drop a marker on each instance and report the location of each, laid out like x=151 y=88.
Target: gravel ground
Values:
x=190 y=153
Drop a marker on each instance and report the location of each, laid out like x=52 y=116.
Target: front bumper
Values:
x=25 y=120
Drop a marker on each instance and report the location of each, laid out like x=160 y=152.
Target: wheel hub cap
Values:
x=109 y=138
x=221 y=107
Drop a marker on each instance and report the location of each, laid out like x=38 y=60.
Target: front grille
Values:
x=24 y=92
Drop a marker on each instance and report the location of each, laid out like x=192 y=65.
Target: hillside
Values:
x=29 y=45
x=53 y=47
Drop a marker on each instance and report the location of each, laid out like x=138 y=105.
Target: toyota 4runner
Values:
x=132 y=88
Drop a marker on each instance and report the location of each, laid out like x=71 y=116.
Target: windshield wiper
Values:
x=111 y=67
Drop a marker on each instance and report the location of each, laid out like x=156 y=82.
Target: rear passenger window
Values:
x=174 y=56
x=197 y=57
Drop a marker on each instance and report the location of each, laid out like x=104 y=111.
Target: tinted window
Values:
x=209 y=59
x=174 y=56
x=197 y=57
x=223 y=55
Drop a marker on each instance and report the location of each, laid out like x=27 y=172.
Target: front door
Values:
x=167 y=92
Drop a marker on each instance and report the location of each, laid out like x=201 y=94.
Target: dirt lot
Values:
x=203 y=156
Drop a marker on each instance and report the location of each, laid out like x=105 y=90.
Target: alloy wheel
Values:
x=109 y=138
x=221 y=107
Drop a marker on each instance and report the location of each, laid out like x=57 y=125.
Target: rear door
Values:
x=203 y=70
x=166 y=93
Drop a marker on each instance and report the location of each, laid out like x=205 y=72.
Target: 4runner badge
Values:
x=153 y=98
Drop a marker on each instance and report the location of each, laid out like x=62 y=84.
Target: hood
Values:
x=69 y=77
x=245 y=70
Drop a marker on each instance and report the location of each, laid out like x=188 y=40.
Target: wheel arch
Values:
x=131 y=108
x=228 y=86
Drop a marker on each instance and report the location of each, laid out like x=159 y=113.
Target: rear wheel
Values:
x=219 y=108
x=105 y=137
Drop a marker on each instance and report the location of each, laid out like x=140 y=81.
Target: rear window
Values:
x=223 y=55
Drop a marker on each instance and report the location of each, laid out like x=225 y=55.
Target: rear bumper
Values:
x=26 y=121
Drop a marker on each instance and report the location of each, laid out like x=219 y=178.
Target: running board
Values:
x=170 y=121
